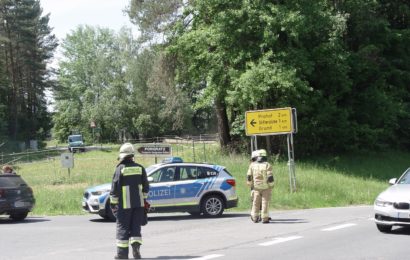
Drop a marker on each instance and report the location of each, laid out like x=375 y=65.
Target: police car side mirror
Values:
x=150 y=179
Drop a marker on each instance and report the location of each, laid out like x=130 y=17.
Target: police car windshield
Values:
x=152 y=168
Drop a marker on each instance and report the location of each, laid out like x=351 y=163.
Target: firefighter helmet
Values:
x=126 y=149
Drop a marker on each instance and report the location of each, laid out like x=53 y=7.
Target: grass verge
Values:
x=323 y=182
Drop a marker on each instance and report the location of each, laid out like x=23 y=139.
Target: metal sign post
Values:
x=291 y=163
x=277 y=121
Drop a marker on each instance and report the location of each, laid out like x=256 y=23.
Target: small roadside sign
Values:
x=269 y=122
x=67 y=160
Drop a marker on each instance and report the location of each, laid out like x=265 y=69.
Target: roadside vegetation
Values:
x=324 y=182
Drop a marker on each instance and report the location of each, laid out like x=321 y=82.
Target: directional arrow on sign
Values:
x=253 y=123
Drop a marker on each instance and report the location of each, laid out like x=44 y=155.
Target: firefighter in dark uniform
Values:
x=129 y=190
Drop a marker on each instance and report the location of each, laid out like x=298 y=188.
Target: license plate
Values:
x=19 y=204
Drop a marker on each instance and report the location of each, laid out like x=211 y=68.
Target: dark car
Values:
x=16 y=197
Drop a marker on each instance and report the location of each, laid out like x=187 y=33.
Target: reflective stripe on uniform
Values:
x=141 y=196
x=136 y=240
x=145 y=195
x=126 y=203
x=113 y=200
x=122 y=243
x=127 y=171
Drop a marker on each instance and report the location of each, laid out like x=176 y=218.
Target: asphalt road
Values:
x=330 y=233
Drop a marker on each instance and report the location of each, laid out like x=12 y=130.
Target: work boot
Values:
x=255 y=219
x=265 y=220
x=136 y=250
x=122 y=253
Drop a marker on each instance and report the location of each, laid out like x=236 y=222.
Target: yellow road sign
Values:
x=269 y=122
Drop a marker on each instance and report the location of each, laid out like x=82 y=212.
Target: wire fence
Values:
x=198 y=145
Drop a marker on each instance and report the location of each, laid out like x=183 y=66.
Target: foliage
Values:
x=344 y=65
x=126 y=90
x=26 y=45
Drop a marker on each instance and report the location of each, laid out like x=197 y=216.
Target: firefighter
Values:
x=260 y=177
x=129 y=191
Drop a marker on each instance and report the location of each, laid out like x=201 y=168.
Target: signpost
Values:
x=157 y=150
x=277 y=121
x=269 y=122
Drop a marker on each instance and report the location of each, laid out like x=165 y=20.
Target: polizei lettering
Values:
x=159 y=193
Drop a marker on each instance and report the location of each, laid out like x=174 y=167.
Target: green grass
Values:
x=324 y=182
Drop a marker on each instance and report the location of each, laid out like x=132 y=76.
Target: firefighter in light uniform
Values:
x=129 y=190
x=260 y=178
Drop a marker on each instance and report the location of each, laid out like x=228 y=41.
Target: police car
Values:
x=175 y=186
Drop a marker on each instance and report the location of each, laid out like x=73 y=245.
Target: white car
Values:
x=176 y=186
x=392 y=206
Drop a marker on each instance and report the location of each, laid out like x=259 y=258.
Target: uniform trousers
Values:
x=261 y=197
x=129 y=223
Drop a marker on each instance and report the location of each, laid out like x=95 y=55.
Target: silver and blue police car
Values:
x=175 y=186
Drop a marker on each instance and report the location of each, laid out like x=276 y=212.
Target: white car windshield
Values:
x=405 y=179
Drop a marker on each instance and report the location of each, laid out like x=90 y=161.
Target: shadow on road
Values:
x=400 y=231
x=174 y=257
x=194 y=217
x=288 y=221
x=29 y=220
x=165 y=217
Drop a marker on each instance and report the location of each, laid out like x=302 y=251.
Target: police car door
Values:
x=162 y=190
x=187 y=187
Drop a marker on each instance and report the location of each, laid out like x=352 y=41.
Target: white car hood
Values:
x=396 y=193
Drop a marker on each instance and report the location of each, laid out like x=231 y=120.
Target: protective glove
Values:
x=147 y=206
x=114 y=208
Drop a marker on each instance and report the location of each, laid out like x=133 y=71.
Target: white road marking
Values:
x=339 y=227
x=207 y=257
x=280 y=240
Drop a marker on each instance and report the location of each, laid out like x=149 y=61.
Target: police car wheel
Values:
x=212 y=206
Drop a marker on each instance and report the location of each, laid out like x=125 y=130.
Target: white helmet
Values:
x=255 y=154
x=126 y=149
x=262 y=153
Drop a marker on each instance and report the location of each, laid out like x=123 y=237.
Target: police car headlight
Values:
x=383 y=203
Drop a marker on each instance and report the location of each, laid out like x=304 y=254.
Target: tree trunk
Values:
x=223 y=124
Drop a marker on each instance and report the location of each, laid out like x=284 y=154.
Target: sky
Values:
x=67 y=15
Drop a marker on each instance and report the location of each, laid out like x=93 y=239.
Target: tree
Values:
x=26 y=45
x=107 y=78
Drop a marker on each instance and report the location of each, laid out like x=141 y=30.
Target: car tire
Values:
x=384 y=228
x=212 y=206
x=18 y=216
x=108 y=212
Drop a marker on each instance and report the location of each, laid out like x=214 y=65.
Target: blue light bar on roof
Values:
x=173 y=160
